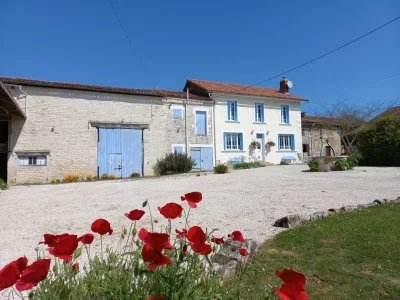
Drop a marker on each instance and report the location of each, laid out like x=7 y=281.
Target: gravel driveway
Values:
x=249 y=200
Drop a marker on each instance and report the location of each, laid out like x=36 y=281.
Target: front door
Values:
x=261 y=145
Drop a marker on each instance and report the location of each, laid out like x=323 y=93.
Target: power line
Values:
x=322 y=55
x=124 y=31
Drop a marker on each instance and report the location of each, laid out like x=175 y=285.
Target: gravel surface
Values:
x=249 y=200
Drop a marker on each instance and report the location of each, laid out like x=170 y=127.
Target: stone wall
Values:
x=58 y=123
x=315 y=136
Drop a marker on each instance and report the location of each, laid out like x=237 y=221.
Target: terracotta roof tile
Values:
x=204 y=87
x=103 y=89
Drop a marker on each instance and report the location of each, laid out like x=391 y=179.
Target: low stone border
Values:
x=294 y=220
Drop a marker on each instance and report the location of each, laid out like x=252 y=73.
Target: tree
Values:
x=379 y=142
x=347 y=119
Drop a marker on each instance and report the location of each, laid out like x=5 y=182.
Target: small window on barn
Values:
x=32 y=160
x=177 y=111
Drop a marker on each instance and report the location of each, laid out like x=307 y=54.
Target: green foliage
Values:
x=246 y=165
x=361 y=263
x=284 y=162
x=221 y=169
x=254 y=145
x=313 y=165
x=125 y=277
x=379 y=143
x=3 y=184
x=341 y=165
x=353 y=160
x=173 y=163
x=135 y=175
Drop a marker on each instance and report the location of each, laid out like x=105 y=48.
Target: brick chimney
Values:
x=283 y=88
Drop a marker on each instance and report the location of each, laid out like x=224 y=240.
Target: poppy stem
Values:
x=187 y=218
x=151 y=217
x=87 y=253
x=101 y=247
x=169 y=226
x=129 y=235
x=19 y=294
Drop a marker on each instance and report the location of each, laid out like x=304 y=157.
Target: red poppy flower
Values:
x=154 y=244
x=64 y=246
x=292 y=287
x=33 y=274
x=135 y=215
x=171 y=210
x=50 y=238
x=86 y=239
x=217 y=241
x=154 y=257
x=11 y=272
x=197 y=239
x=237 y=236
x=181 y=234
x=101 y=226
x=243 y=252
x=158 y=241
x=156 y=298
x=192 y=198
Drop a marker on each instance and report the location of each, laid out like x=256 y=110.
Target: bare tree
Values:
x=347 y=119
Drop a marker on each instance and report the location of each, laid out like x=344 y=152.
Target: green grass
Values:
x=347 y=256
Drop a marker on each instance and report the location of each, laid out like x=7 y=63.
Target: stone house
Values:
x=51 y=129
x=253 y=123
x=319 y=138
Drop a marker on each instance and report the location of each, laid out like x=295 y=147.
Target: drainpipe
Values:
x=213 y=128
x=186 y=134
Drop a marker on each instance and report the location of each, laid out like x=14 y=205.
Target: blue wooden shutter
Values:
x=227 y=110
x=241 y=141
x=225 y=140
x=287 y=110
x=293 y=147
x=236 y=111
x=201 y=121
x=262 y=112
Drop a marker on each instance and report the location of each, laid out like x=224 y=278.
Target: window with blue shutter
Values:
x=285 y=114
x=177 y=113
x=259 y=112
x=232 y=110
x=201 y=123
x=286 y=142
x=178 y=149
x=233 y=141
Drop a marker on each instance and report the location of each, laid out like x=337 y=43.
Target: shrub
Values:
x=70 y=178
x=104 y=176
x=284 y=162
x=173 y=163
x=379 y=143
x=341 y=165
x=90 y=177
x=353 y=160
x=246 y=165
x=313 y=165
x=135 y=175
x=221 y=169
x=254 y=145
x=3 y=184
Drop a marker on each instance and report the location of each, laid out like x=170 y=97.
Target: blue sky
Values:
x=230 y=41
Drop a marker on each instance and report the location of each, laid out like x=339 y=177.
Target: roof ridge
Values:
x=237 y=84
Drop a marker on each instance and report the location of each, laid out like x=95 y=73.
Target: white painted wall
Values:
x=246 y=124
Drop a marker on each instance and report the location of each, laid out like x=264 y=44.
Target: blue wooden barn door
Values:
x=203 y=158
x=196 y=157
x=120 y=152
x=206 y=158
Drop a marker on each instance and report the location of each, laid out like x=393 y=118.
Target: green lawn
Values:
x=347 y=256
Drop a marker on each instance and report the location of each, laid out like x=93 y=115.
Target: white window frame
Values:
x=285 y=114
x=259 y=118
x=32 y=160
x=234 y=142
x=286 y=142
x=232 y=106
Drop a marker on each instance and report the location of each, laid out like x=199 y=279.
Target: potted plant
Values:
x=270 y=144
x=255 y=145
